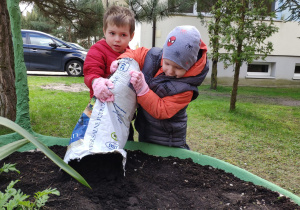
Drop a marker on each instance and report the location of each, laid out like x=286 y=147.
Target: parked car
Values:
x=44 y=52
x=77 y=46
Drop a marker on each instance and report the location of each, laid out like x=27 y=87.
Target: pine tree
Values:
x=151 y=11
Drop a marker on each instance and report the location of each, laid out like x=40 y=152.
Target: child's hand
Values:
x=101 y=89
x=114 y=66
x=139 y=84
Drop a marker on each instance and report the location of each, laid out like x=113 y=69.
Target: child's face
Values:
x=172 y=69
x=118 y=37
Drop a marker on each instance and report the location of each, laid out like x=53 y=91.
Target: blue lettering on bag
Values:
x=123 y=66
x=112 y=145
x=97 y=124
x=80 y=128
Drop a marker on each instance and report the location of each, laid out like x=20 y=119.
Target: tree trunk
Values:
x=154 y=4
x=214 y=73
x=238 y=62
x=153 y=31
x=69 y=33
x=235 y=86
x=8 y=98
x=215 y=59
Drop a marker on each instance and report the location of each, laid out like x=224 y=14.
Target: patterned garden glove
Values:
x=101 y=90
x=114 y=66
x=139 y=84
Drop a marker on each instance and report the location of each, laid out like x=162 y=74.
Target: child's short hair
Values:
x=119 y=16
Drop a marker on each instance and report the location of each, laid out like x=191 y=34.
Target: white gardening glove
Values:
x=139 y=84
x=114 y=66
x=101 y=89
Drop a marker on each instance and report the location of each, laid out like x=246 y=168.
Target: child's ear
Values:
x=131 y=36
x=103 y=31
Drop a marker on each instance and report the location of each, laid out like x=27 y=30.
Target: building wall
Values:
x=285 y=41
x=282 y=73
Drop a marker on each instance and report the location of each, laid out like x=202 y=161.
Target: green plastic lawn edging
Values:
x=163 y=151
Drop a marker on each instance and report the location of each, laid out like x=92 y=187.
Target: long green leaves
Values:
x=8 y=149
x=12 y=147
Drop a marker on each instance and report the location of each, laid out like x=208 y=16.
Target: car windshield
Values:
x=76 y=46
x=60 y=44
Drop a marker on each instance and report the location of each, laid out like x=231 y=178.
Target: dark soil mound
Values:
x=150 y=183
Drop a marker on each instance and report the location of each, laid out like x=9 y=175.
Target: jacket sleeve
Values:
x=164 y=108
x=94 y=65
x=138 y=55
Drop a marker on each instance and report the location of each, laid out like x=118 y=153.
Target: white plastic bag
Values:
x=108 y=126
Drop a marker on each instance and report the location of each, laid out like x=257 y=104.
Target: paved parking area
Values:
x=47 y=73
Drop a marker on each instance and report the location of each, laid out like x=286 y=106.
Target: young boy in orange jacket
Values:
x=167 y=84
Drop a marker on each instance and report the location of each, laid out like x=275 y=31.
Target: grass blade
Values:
x=48 y=152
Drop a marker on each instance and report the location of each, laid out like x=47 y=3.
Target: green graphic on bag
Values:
x=114 y=136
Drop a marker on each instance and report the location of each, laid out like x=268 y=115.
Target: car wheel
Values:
x=74 y=68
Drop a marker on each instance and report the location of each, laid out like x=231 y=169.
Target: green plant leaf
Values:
x=10 y=148
x=42 y=197
x=25 y=204
x=9 y=167
x=4 y=197
x=48 y=152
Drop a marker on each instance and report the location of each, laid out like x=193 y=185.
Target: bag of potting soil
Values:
x=104 y=127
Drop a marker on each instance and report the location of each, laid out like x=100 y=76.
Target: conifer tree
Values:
x=151 y=11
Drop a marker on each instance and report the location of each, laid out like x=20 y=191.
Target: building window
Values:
x=205 y=6
x=174 y=8
x=259 y=69
x=270 y=5
x=297 y=71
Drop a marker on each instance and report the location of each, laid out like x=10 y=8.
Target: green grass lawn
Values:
x=261 y=136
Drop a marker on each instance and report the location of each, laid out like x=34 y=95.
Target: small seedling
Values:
x=40 y=199
x=8 y=167
x=16 y=199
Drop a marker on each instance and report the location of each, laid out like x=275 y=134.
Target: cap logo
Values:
x=189 y=47
x=177 y=54
x=184 y=31
x=171 y=40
